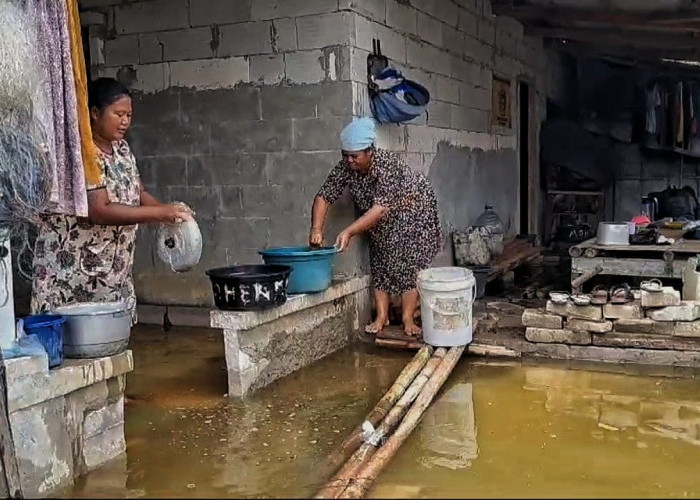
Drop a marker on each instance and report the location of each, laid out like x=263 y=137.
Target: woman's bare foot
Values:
x=411 y=329
x=377 y=325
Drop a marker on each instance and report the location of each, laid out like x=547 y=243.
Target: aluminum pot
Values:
x=95 y=329
x=613 y=233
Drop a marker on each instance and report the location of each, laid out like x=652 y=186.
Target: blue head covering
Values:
x=359 y=135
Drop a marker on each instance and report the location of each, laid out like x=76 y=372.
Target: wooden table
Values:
x=645 y=261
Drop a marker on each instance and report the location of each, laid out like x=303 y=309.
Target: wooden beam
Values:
x=632 y=54
x=527 y=11
x=636 y=38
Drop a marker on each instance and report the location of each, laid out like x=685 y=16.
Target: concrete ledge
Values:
x=28 y=383
x=232 y=320
x=266 y=345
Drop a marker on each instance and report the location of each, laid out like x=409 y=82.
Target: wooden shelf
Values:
x=678 y=151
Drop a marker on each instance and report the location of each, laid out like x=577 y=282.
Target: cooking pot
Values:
x=95 y=329
x=613 y=233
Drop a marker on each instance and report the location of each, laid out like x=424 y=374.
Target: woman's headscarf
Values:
x=359 y=135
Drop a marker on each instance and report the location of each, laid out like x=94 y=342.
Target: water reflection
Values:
x=618 y=402
x=448 y=430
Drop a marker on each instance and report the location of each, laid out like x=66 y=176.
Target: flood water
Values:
x=497 y=429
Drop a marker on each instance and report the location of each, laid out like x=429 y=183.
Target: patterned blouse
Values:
x=78 y=261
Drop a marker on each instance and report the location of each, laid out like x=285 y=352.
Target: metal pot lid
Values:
x=91 y=308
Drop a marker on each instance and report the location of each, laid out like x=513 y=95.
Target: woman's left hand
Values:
x=343 y=240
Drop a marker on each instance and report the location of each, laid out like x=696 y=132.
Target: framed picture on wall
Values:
x=500 y=108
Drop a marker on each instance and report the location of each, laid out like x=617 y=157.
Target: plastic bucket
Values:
x=447 y=295
x=311 y=269
x=49 y=330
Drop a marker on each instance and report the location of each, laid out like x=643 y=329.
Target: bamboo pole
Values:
x=354 y=440
x=349 y=470
x=398 y=343
x=379 y=460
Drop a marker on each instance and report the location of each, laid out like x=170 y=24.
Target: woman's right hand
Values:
x=173 y=212
x=315 y=238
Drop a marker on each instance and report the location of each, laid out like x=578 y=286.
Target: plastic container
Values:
x=312 y=270
x=490 y=219
x=245 y=288
x=447 y=295
x=48 y=328
x=179 y=245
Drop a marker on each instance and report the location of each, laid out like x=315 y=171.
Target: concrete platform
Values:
x=263 y=346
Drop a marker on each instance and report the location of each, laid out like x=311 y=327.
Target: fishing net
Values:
x=25 y=169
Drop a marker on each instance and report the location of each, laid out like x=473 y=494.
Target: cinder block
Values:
x=325 y=30
x=164 y=170
x=473 y=120
x=317 y=134
x=687 y=329
x=467 y=22
x=267 y=69
x=375 y=9
x=217 y=105
x=290 y=102
x=151 y=77
x=235 y=169
x=155 y=15
x=591 y=313
x=688 y=310
x=122 y=50
x=305 y=66
x=631 y=310
x=552 y=336
x=645 y=325
x=243 y=232
x=420 y=139
x=271 y=9
x=478 y=51
x=393 y=42
x=205 y=200
x=439 y=114
x=252 y=136
x=231 y=205
x=308 y=168
x=581 y=325
x=401 y=17
x=668 y=296
x=422 y=55
x=505 y=43
x=448 y=89
x=245 y=39
x=186 y=44
x=150 y=50
x=209 y=73
x=486 y=31
x=453 y=41
x=474 y=97
x=430 y=29
x=207 y=13
x=539 y=319
x=284 y=35
x=447 y=12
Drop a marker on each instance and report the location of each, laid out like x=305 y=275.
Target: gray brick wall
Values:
x=238 y=107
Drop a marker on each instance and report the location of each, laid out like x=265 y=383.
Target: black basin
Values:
x=246 y=288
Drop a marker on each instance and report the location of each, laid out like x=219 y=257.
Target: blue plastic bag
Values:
x=397 y=99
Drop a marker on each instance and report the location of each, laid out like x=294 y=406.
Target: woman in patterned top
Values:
x=400 y=217
x=91 y=259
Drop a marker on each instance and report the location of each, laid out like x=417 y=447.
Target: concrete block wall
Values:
x=454 y=48
x=238 y=106
x=237 y=110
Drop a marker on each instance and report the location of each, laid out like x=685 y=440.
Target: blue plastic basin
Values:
x=311 y=269
x=49 y=330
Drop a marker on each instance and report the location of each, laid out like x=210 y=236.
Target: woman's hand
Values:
x=343 y=240
x=315 y=238
x=173 y=212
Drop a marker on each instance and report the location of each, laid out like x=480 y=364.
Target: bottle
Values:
x=490 y=219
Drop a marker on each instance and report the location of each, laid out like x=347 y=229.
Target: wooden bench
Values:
x=516 y=252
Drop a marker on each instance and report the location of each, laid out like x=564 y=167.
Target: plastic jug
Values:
x=490 y=219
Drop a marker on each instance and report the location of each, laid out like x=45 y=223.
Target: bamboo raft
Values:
x=371 y=445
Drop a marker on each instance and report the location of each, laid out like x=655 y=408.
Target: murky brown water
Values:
x=496 y=430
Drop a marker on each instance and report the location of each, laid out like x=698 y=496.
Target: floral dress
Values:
x=407 y=239
x=78 y=261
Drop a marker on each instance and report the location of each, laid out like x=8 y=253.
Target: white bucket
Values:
x=446 y=298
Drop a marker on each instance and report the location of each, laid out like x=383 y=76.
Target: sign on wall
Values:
x=500 y=107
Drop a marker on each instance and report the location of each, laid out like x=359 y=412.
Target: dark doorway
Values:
x=524 y=141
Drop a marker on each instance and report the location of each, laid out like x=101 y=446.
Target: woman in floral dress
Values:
x=400 y=216
x=91 y=259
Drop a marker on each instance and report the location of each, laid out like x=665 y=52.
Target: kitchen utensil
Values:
x=613 y=233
